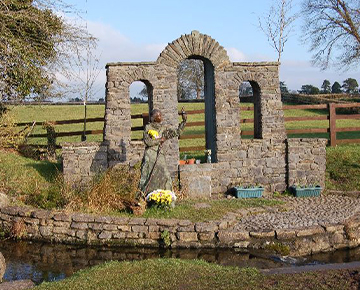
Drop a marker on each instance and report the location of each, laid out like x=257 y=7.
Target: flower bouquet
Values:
x=154 y=134
x=161 y=198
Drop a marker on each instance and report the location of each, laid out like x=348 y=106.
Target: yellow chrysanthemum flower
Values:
x=153 y=134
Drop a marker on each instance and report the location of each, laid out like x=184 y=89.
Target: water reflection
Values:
x=43 y=261
x=46 y=262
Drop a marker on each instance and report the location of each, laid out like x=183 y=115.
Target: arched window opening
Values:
x=249 y=95
x=141 y=100
x=196 y=88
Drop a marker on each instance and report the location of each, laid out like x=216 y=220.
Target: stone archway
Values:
x=271 y=161
x=194 y=44
x=215 y=58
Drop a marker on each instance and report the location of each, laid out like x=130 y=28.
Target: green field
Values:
x=66 y=112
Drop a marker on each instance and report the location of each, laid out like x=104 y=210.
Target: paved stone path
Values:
x=302 y=212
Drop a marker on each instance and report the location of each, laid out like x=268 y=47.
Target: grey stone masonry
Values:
x=307 y=161
x=274 y=164
x=302 y=225
x=82 y=161
x=269 y=159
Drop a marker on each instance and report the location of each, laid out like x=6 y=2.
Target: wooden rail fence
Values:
x=331 y=116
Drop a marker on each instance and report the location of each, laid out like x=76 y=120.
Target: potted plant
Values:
x=191 y=161
x=248 y=191
x=305 y=191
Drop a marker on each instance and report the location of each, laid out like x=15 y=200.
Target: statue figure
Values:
x=154 y=171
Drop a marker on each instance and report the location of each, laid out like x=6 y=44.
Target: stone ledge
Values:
x=141 y=63
x=81 y=144
x=91 y=229
x=262 y=63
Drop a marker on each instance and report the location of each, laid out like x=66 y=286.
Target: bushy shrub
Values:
x=10 y=135
x=115 y=189
x=111 y=191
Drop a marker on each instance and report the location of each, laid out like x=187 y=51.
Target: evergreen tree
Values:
x=351 y=86
x=326 y=87
x=336 y=88
x=309 y=90
x=283 y=88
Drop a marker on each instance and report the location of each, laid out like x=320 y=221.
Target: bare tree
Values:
x=191 y=79
x=85 y=71
x=277 y=25
x=245 y=90
x=332 y=27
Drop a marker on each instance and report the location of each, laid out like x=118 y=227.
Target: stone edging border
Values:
x=77 y=228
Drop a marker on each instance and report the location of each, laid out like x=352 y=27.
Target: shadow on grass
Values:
x=47 y=169
x=351 y=164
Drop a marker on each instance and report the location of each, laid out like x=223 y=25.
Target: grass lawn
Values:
x=343 y=167
x=19 y=174
x=195 y=274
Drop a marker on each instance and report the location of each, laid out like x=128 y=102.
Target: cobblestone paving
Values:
x=303 y=212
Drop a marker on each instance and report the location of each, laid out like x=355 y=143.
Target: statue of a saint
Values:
x=154 y=171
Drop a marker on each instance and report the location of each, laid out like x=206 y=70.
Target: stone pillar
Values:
x=117 y=127
x=227 y=109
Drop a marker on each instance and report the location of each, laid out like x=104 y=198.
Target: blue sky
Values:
x=139 y=30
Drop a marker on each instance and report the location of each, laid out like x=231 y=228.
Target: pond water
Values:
x=49 y=262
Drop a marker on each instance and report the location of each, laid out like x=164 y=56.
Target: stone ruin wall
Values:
x=271 y=160
x=271 y=163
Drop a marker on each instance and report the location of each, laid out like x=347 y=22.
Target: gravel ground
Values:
x=303 y=212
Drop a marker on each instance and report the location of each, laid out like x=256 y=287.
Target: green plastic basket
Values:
x=248 y=192
x=306 y=191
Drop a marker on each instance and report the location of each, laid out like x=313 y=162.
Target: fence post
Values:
x=332 y=123
x=146 y=119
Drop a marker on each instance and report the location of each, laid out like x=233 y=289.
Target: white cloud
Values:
x=113 y=46
x=116 y=47
x=235 y=54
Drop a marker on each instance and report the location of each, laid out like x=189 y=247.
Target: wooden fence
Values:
x=331 y=116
